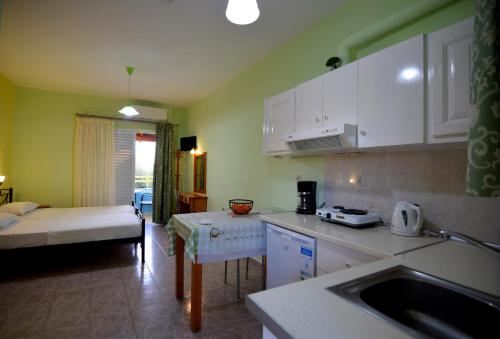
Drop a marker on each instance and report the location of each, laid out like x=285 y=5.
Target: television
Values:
x=188 y=143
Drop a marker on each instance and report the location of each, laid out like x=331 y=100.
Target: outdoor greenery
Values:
x=143 y=181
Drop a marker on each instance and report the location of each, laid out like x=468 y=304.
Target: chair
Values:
x=237 y=275
x=146 y=202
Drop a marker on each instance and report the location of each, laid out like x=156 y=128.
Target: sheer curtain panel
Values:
x=94 y=171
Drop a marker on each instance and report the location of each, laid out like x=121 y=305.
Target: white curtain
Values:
x=94 y=172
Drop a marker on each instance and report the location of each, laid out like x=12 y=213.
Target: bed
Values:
x=80 y=225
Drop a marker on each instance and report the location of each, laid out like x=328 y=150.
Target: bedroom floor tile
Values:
x=105 y=292
x=68 y=317
x=116 y=324
x=80 y=332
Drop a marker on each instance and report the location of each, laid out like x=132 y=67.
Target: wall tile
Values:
x=476 y=217
x=435 y=179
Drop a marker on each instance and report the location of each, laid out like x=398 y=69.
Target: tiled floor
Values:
x=104 y=292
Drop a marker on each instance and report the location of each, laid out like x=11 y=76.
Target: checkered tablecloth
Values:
x=228 y=237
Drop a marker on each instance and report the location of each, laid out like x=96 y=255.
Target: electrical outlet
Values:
x=298 y=177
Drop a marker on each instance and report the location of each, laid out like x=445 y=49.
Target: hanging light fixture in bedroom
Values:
x=242 y=12
x=129 y=110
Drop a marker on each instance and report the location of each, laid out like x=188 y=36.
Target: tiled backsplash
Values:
x=435 y=179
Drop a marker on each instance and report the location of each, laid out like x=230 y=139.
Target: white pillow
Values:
x=6 y=219
x=18 y=208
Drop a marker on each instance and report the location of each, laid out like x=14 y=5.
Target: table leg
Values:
x=196 y=283
x=246 y=272
x=225 y=272
x=238 y=278
x=264 y=271
x=179 y=267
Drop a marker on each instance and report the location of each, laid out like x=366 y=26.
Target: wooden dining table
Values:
x=212 y=237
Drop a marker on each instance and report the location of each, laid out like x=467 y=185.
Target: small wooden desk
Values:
x=192 y=202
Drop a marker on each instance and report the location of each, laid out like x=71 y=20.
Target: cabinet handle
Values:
x=363 y=133
x=326 y=116
x=317 y=119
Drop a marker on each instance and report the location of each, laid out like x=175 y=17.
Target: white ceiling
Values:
x=182 y=49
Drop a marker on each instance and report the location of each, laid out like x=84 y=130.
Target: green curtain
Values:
x=163 y=184
x=483 y=170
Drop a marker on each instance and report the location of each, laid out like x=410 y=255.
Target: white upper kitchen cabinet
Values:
x=340 y=96
x=449 y=70
x=309 y=105
x=391 y=95
x=279 y=118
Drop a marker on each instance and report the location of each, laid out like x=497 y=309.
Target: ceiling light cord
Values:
x=129 y=101
x=129 y=110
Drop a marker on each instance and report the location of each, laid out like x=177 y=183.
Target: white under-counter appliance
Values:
x=291 y=256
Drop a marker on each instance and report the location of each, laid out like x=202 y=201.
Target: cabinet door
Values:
x=391 y=96
x=278 y=121
x=332 y=257
x=340 y=96
x=309 y=105
x=450 y=63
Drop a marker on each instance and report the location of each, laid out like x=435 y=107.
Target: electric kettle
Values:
x=407 y=219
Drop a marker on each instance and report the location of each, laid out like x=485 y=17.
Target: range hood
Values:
x=336 y=138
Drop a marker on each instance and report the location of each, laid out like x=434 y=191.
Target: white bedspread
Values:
x=43 y=213
x=52 y=226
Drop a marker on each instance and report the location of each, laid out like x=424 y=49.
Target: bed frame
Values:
x=6 y=195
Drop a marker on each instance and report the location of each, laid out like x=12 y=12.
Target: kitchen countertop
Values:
x=306 y=309
x=376 y=241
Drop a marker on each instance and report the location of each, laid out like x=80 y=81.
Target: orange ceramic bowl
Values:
x=240 y=206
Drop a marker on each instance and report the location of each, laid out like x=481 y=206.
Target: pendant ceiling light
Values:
x=242 y=12
x=129 y=110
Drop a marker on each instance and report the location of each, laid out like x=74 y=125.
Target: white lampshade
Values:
x=2 y=178
x=129 y=111
x=242 y=12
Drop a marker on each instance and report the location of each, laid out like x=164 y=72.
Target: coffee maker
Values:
x=306 y=197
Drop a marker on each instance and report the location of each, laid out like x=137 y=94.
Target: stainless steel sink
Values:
x=423 y=305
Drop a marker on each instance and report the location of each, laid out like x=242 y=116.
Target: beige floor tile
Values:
x=106 y=292
x=112 y=325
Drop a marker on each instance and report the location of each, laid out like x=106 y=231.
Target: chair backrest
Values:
x=147 y=197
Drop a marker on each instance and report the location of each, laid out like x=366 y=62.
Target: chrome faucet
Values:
x=457 y=236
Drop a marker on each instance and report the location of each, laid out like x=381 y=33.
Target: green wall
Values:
x=43 y=132
x=7 y=98
x=228 y=122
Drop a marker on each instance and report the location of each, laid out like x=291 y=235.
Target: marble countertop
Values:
x=376 y=241
x=307 y=310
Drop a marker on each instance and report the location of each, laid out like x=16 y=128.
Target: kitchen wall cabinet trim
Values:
x=383 y=94
x=340 y=96
x=391 y=96
x=279 y=120
x=309 y=105
x=449 y=69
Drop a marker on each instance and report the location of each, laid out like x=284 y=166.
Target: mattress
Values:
x=55 y=226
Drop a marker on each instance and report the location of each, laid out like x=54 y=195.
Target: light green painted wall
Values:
x=228 y=122
x=43 y=132
x=7 y=98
